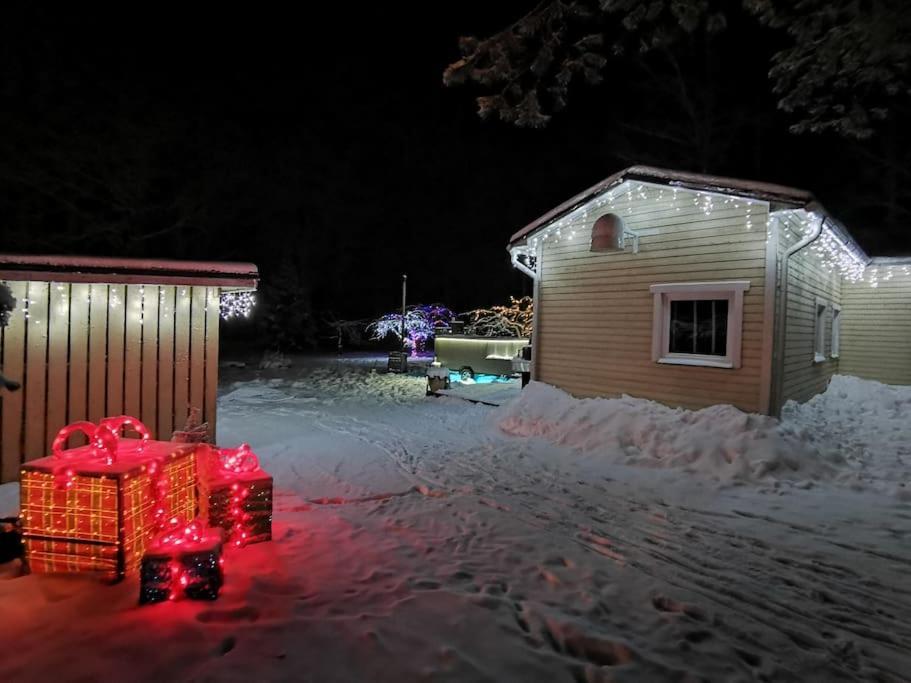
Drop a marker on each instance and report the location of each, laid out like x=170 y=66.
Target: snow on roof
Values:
x=779 y=194
x=128 y=270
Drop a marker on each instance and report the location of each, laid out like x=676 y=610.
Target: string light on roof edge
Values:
x=236 y=304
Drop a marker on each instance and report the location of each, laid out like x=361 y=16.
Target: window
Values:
x=820 y=331
x=836 y=331
x=698 y=323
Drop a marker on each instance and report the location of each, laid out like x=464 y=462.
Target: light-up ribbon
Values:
x=178 y=533
x=235 y=461
x=103 y=440
x=157 y=481
x=238 y=460
x=102 y=444
x=116 y=424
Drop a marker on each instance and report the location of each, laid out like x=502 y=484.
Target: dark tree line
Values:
x=330 y=155
x=717 y=86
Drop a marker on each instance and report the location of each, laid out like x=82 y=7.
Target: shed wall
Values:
x=876 y=326
x=85 y=351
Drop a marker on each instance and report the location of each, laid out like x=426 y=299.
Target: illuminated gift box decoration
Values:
x=235 y=493
x=184 y=560
x=95 y=508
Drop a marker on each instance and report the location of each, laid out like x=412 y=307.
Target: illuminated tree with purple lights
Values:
x=420 y=321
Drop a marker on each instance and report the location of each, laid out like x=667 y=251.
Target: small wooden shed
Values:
x=91 y=337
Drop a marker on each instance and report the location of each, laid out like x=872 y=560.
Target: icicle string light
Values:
x=231 y=304
x=236 y=304
x=625 y=195
x=835 y=254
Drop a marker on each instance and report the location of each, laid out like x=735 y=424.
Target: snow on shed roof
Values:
x=770 y=192
x=128 y=271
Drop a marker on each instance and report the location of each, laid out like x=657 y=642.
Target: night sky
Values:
x=323 y=146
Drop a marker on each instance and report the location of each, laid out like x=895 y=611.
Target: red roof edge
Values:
x=127 y=270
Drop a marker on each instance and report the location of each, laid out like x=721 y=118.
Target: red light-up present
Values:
x=96 y=507
x=184 y=560
x=235 y=493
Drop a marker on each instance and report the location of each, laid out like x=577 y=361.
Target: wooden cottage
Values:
x=91 y=337
x=696 y=290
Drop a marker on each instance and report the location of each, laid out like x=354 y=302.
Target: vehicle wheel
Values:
x=466 y=373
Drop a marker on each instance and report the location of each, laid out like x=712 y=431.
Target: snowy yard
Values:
x=550 y=539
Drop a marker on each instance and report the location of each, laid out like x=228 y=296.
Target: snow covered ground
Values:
x=550 y=539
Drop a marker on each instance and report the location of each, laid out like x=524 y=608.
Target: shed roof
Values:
x=770 y=192
x=128 y=271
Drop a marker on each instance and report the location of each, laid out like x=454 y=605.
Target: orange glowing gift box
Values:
x=95 y=508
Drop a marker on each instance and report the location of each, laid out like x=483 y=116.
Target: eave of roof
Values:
x=777 y=194
x=128 y=271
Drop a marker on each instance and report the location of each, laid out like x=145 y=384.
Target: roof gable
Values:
x=692 y=181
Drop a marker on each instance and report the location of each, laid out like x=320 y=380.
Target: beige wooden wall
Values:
x=876 y=326
x=595 y=309
x=85 y=351
x=808 y=278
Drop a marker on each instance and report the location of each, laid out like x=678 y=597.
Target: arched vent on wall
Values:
x=609 y=234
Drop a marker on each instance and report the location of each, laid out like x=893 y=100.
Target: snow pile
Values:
x=867 y=423
x=347 y=382
x=720 y=442
x=329 y=385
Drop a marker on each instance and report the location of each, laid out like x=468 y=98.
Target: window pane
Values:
x=699 y=327
x=682 y=319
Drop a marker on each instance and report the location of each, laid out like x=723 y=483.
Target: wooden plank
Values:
x=181 y=356
x=13 y=364
x=132 y=352
x=197 y=347
x=36 y=370
x=148 y=409
x=117 y=314
x=57 y=359
x=211 y=369
x=166 y=362
x=97 y=352
x=77 y=408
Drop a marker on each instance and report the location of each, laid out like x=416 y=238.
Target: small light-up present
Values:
x=95 y=508
x=235 y=493
x=183 y=561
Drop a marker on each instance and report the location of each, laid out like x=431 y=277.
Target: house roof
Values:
x=128 y=271
x=778 y=194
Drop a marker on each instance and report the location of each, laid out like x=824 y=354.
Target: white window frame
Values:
x=836 y=331
x=819 y=330
x=664 y=294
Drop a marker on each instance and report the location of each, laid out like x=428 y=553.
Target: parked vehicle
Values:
x=471 y=355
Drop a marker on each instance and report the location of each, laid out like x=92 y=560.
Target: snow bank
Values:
x=330 y=384
x=720 y=442
x=867 y=423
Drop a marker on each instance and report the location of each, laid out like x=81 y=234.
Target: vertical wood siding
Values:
x=87 y=351
x=595 y=309
x=808 y=278
x=876 y=327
